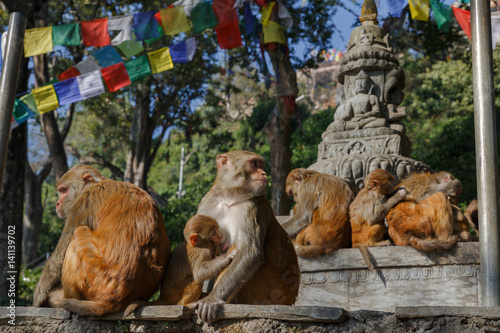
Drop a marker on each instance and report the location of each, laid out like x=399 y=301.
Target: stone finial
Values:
x=369 y=13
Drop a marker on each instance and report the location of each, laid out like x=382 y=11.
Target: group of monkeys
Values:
x=114 y=251
x=420 y=210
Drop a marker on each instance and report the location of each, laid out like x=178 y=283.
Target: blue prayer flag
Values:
x=249 y=20
x=108 y=56
x=145 y=26
x=178 y=53
x=68 y=91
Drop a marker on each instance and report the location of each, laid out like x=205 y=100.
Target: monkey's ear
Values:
x=374 y=184
x=222 y=160
x=194 y=239
x=88 y=178
x=296 y=177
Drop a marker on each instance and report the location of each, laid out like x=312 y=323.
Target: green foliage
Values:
x=27 y=283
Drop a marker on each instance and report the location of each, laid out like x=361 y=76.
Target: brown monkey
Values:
x=427 y=226
x=192 y=262
x=320 y=222
x=471 y=212
x=369 y=208
x=112 y=251
x=266 y=270
x=422 y=185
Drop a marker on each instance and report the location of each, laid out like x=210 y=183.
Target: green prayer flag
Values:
x=20 y=109
x=203 y=17
x=152 y=40
x=30 y=102
x=130 y=48
x=138 y=68
x=442 y=15
x=66 y=34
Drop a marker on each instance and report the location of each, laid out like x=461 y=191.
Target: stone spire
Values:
x=369 y=13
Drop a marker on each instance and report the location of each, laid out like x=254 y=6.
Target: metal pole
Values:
x=8 y=82
x=181 y=174
x=486 y=152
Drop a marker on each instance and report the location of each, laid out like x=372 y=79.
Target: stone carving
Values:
x=393 y=274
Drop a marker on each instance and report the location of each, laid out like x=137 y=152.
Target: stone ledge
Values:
x=307 y=314
x=447 y=311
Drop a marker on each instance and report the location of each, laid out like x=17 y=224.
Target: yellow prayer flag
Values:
x=45 y=98
x=273 y=33
x=419 y=10
x=266 y=12
x=38 y=41
x=160 y=60
x=174 y=20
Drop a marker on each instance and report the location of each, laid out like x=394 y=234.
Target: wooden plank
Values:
x=28 y=313
x=317 y=314
x=440 y=311
x=158 y=312
x=390 y=257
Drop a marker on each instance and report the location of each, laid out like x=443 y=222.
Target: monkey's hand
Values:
x=207 y=307
x=231 y=254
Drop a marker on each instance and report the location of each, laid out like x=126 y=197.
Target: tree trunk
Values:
x=11 y=218
x=278 y=126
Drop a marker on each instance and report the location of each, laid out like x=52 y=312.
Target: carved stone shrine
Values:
x=367 y=133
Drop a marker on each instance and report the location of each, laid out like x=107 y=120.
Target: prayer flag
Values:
x=161 y=33
x=87 y=65
x=229 y=36
x=174 y=21
x=266 y=13
x=249 y=20
x=69 y=73
x=90 y=84
x=66 y=34
x=273 y=33
x=107 y=56
x=123 y=24
x=495 y=30
x=38 y=41
x=145 y=26
x=284 y=15
x=95 y=32
x=30 y=102
x=184 y=51
x=45 y=98
x=160 y=60
x=225 y=12
x=116 y=77
x=419 y=10
x=203 y=17
x=2 y=48
x=67 y=91
x=395 y=7
x=130 y=48
x=442 y=15
x=21 y=112
x=138 y=68
x=463 y=18
x=188 y=5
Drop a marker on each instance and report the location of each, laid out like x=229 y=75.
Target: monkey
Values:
x=192 y=262
x=426 y=226
x=471 y=213
x=369 y=208
x=320 y=223
x=422 y=185
x=266 y=269
x=113 y=249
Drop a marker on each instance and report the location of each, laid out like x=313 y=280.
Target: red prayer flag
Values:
x=95 y=32
x=463 y=18
x=224 y=12
x=158 y=19
x=228 y=36
x=261 y=3
x=116 y=76
x=68 y=74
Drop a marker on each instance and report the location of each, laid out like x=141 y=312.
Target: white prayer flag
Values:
x=124 y=25
x=90 y=84
x=190 y=48
x=88 y=65
x=284 y=15
x=188 y=5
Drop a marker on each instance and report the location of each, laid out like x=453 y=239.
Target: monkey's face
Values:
x=215 y=237
x=258 y=176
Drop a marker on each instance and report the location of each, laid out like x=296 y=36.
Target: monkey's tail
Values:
x=132 y=307
x=433 y=244
x=91 y=308
x=366 y=256
x=315 y=250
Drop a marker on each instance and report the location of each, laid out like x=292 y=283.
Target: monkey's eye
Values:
x=62 y=189
x=255 y=164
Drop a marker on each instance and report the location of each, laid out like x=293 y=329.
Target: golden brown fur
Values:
x=321 y=216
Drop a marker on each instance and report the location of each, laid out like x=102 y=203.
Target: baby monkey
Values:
x=193 y=261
